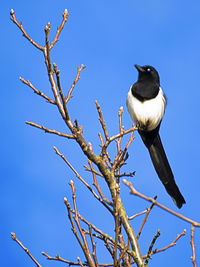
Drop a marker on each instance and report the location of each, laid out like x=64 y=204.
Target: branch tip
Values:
x=12 y=12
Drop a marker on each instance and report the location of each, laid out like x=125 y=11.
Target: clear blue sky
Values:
x=109 y=37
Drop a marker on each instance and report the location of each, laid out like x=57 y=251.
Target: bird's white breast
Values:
x=148 y=113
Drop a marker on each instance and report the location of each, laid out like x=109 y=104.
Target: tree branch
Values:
x=193 y=247
x=134 y=192
x=59 y=29
x=82 y=180
x=25 y=249
x=19 y=25
x=49 y=100
x=49 y=130
x=85 y=247
x=151 y=246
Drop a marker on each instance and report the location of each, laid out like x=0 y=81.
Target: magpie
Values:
x=146 y=104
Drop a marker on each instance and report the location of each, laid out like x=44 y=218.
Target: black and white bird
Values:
x=146 y=105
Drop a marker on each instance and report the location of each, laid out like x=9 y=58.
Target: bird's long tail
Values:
x=162 y=166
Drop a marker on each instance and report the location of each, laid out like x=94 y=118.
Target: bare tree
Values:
x=124 y=248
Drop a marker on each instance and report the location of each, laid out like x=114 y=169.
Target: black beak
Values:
x=140 y=69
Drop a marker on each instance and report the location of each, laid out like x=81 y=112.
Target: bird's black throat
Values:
x=148 y=84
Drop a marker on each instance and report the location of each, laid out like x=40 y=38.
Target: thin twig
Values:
x=79 y=261
x=69 y=96
x=19 y=25
x=104 y=235
x=88 y=169
x=193 y=247
x=97 y=186
x=108 y=248
x=145 y=219
x=151 y=247
x=115 y=137
x=123 y=252
x=49 y=130
x=120 y=129
x=117 y=225
x=52 y=81
x=85 y=247
x=134 y=192
x=58 y=258
x=82 y=180
x=59 y=29
x=57 y=72
x=25 y=249
x=171 y=245
x=94 y=255
x=49 y=100
x=103 y=125
x=72 y=223
x=138 y=214
x=155 y=251
x=131 y=174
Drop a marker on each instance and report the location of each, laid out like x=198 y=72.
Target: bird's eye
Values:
x=148 y=69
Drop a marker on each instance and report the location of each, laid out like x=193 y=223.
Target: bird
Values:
x=146 y=105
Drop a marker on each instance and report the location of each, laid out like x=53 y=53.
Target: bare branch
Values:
x=82 y=180
x=19 y=25
x=51 y=75
x=88 y=169
x=121 y=128
x=85 y=247
x=117 y=225
x=103 y=125
x=145 y=219
x=138 y=214
x=151 y=246
x=134 y=192
x=69 y=96
x=115 y=137
x=58 y=258
x=94 y=255
x=171 y=245
x=49 y=130
x=57 y=72
x=123 y=256
x=59 y=29
x=79 y=261
x=97 y=186
x=25 y=249
x=49 y=100
x=193 y=247
x=131 y=174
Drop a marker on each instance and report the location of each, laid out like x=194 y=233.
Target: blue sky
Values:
x=109 y=37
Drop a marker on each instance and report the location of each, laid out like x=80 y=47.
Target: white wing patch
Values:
x=147 y=114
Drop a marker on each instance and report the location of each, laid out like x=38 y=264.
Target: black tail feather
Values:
x=161 y=165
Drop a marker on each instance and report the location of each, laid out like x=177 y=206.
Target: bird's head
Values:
x=147 y=73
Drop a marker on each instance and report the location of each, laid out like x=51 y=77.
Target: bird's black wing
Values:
x=153 y=143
